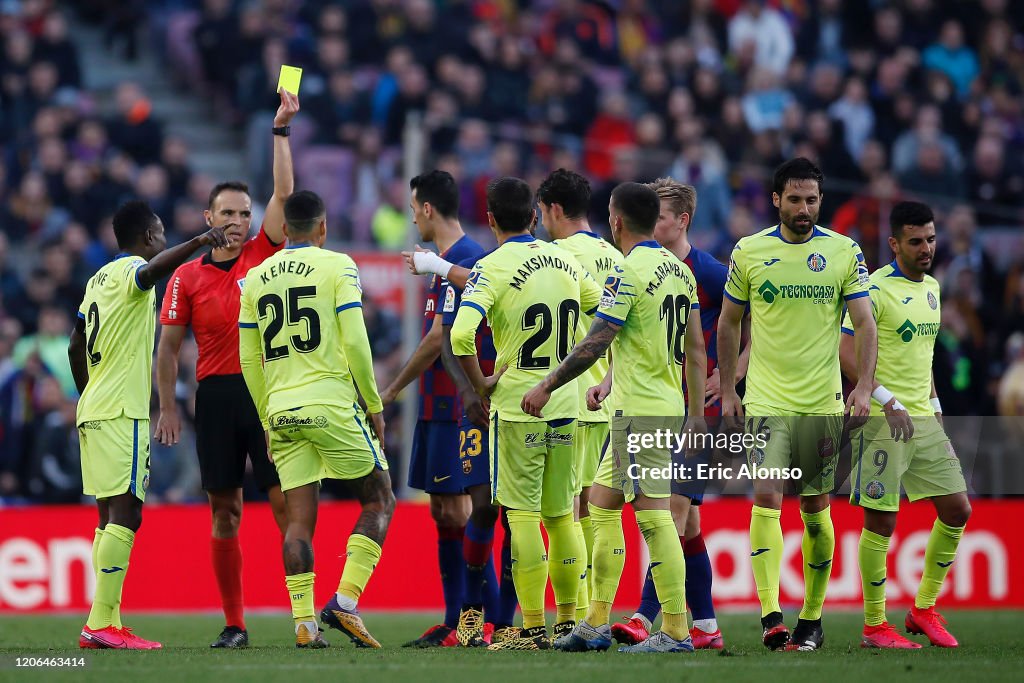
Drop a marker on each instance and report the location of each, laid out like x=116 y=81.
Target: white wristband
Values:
x=896 y=405
x=936 y=406
x=882 y=395
x=429 y=262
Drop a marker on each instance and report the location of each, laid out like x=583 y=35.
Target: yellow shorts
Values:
x=801 y=441
x=926 y=466
x=636 y=467
x=323 y=442
x=115 y=457
x=591 y=442
x=532 y=465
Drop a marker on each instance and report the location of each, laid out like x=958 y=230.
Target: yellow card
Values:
x=289 y=79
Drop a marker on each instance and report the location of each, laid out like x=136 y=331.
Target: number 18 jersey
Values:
x=532 y=294
x=293 y=299
x=650 y=296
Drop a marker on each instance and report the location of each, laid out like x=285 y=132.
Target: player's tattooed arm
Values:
x=78 y=357
x=584 y=354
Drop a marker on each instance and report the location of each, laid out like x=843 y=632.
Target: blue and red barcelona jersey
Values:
x=438 y=396
x=710 y=275
x=451 y=297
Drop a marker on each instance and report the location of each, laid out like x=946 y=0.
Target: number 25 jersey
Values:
x=120 y=324
x=294 y=300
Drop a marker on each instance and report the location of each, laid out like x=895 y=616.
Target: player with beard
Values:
x=796 y=278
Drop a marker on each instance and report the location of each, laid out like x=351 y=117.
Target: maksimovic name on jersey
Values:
x=536 y=263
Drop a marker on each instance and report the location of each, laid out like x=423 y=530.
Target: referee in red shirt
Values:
x=205 y=293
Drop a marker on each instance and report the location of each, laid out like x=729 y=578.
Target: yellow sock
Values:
x=766 y=556
x=362 y=557
x=871 y=552
x=529 y=565
x=300 y=590
x=588 y=537
x=583 y=593
x=563 y=564
x=819 y=544
x=938 y=556
x=115 y=613
x=668 y=569
x=674 y=625
x=112 y=554
x=609 y=559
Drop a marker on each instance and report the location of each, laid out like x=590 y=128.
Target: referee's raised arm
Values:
x=284 y=175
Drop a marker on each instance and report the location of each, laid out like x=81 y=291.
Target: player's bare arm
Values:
x=165 y=263
x=696 y=368
x=168 y=425
x=475 y=406
x=356 y=344
x=597 y=342
x=729 y=325
x=284 y=175
x=597 y=395
x=866 y=342
x=78 y=357
x=428 y=351
x=713 y=387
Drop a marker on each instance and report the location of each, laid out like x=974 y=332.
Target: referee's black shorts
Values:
x=227 y=430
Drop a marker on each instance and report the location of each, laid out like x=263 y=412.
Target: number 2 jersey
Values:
x=531 y=293
x=120 y=324
x=651 y=296
x=301 y=311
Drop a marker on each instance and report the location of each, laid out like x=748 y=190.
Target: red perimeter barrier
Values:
x=45 y=558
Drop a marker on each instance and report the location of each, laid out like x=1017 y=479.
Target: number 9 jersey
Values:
x=305 y=303
x=120 y=325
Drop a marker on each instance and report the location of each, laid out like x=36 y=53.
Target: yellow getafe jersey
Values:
x=532 y=294
x=651 y=296
x=120 y=324
x=597 y=258
x=293 y=299
x=796 y=293
x=908 y=314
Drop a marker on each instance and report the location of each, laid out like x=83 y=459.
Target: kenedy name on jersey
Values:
x=293 y=267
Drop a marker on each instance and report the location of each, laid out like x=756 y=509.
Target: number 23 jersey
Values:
x=294 y=298
x=120 y=324
x=532 y=294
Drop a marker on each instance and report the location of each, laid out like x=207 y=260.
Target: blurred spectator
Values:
x=764 y=30
x=950 y=56
x=135 y=129
x=992 y=186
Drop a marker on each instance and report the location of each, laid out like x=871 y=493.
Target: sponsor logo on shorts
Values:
x=757 y=456
x=438 y=480
x=533 y=440
x=92 y=424
x=556 y=438
x=467 y=466
x=874 y=490
x=282 y=421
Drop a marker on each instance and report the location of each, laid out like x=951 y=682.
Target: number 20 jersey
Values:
x=120 y=324
x=294 y=298
x=532 y=294
x=651 y=296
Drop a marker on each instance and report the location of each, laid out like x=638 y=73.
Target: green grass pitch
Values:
x=992 y=649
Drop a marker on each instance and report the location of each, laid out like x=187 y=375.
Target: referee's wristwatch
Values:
x=283 y=131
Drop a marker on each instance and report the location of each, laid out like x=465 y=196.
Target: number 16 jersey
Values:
x=532 y=294
x=293 y=299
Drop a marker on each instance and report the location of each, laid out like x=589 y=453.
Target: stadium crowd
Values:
x=911 y=98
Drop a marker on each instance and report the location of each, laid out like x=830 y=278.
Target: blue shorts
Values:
x=474 y=455
x=434 y=466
